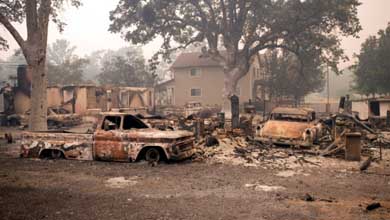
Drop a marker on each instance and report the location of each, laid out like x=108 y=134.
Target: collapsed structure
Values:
x=356 y=129
x=375 y=110
x=83 y=99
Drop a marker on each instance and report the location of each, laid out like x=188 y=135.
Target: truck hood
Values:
x=284 y=129
x=148 y=133
x=155 y=133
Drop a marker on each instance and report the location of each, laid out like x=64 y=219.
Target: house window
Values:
x=170 y=95
x=194 y=72
x=196 y=92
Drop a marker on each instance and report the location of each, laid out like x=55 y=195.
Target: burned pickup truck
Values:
x=118 y=137
x=291 y=126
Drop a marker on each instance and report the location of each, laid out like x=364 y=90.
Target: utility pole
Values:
x=328 y=90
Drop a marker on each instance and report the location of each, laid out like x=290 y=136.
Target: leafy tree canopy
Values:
x=372 y=69
x=242 y=27
x=60 y=51
x=92 y=69
x=64 y=67
x=125 y=67
x=286 y=76
x=15 y=11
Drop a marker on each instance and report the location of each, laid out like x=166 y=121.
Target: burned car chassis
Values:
x=292 y=127
x=118 y=137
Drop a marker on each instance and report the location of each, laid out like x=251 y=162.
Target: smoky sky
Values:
x=87 y=28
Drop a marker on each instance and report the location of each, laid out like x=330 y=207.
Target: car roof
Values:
x=292 y=111
x=114 y=114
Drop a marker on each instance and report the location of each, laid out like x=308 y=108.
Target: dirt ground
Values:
x=47 y=189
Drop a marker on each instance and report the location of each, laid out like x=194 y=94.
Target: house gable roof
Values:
x=194 y=59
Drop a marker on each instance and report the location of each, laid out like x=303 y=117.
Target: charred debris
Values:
x=246 y=137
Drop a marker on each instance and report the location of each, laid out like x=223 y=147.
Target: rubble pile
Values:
x=236 y=148
x=285 y=138
x=241 y=151
x=218 y=142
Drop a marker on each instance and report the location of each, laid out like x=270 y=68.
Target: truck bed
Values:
x=71 y=145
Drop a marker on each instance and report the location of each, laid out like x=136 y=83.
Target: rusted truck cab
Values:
x=118 y=137
x=124 y=137
x=290 y=126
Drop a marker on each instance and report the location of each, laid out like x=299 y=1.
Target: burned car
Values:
x=118 y=137
x=290 y=126
x=57 y=117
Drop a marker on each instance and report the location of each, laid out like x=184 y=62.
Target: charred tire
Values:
x=153 y=155
x=56 y=154
x=14 y=122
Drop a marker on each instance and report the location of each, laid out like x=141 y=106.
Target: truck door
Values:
x=131 y=126
x=108 y=143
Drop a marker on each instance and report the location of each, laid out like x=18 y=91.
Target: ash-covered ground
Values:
x=210 y=189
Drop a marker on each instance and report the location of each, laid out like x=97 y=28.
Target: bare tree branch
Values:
x=19 y=39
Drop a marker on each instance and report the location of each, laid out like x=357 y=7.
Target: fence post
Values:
x=235 y=111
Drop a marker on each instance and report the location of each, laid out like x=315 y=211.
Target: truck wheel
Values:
x=14 y=122
x=152 y=155
x=56 y=154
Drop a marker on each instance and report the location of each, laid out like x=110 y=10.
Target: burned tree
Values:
x=242 y=28
x=37 y=15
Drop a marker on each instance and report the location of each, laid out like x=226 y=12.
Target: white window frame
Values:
x=198 y=70
x=171 y=89
x=196 y=88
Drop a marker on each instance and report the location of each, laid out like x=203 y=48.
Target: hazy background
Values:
x=87 y=27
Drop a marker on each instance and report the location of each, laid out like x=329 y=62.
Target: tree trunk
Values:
x=36 y=58
x=228 y=91
x=38 y=114
x=231 y=98
x=37 y=15
x=235 y=101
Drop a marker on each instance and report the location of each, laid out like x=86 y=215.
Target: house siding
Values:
x=362 y=108
x=210 y=81
x=383 y=108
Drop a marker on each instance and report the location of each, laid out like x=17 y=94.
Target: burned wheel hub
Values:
x=152 y=155
x=56 y=154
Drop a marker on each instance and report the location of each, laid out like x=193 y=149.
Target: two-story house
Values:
x=200 y=79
